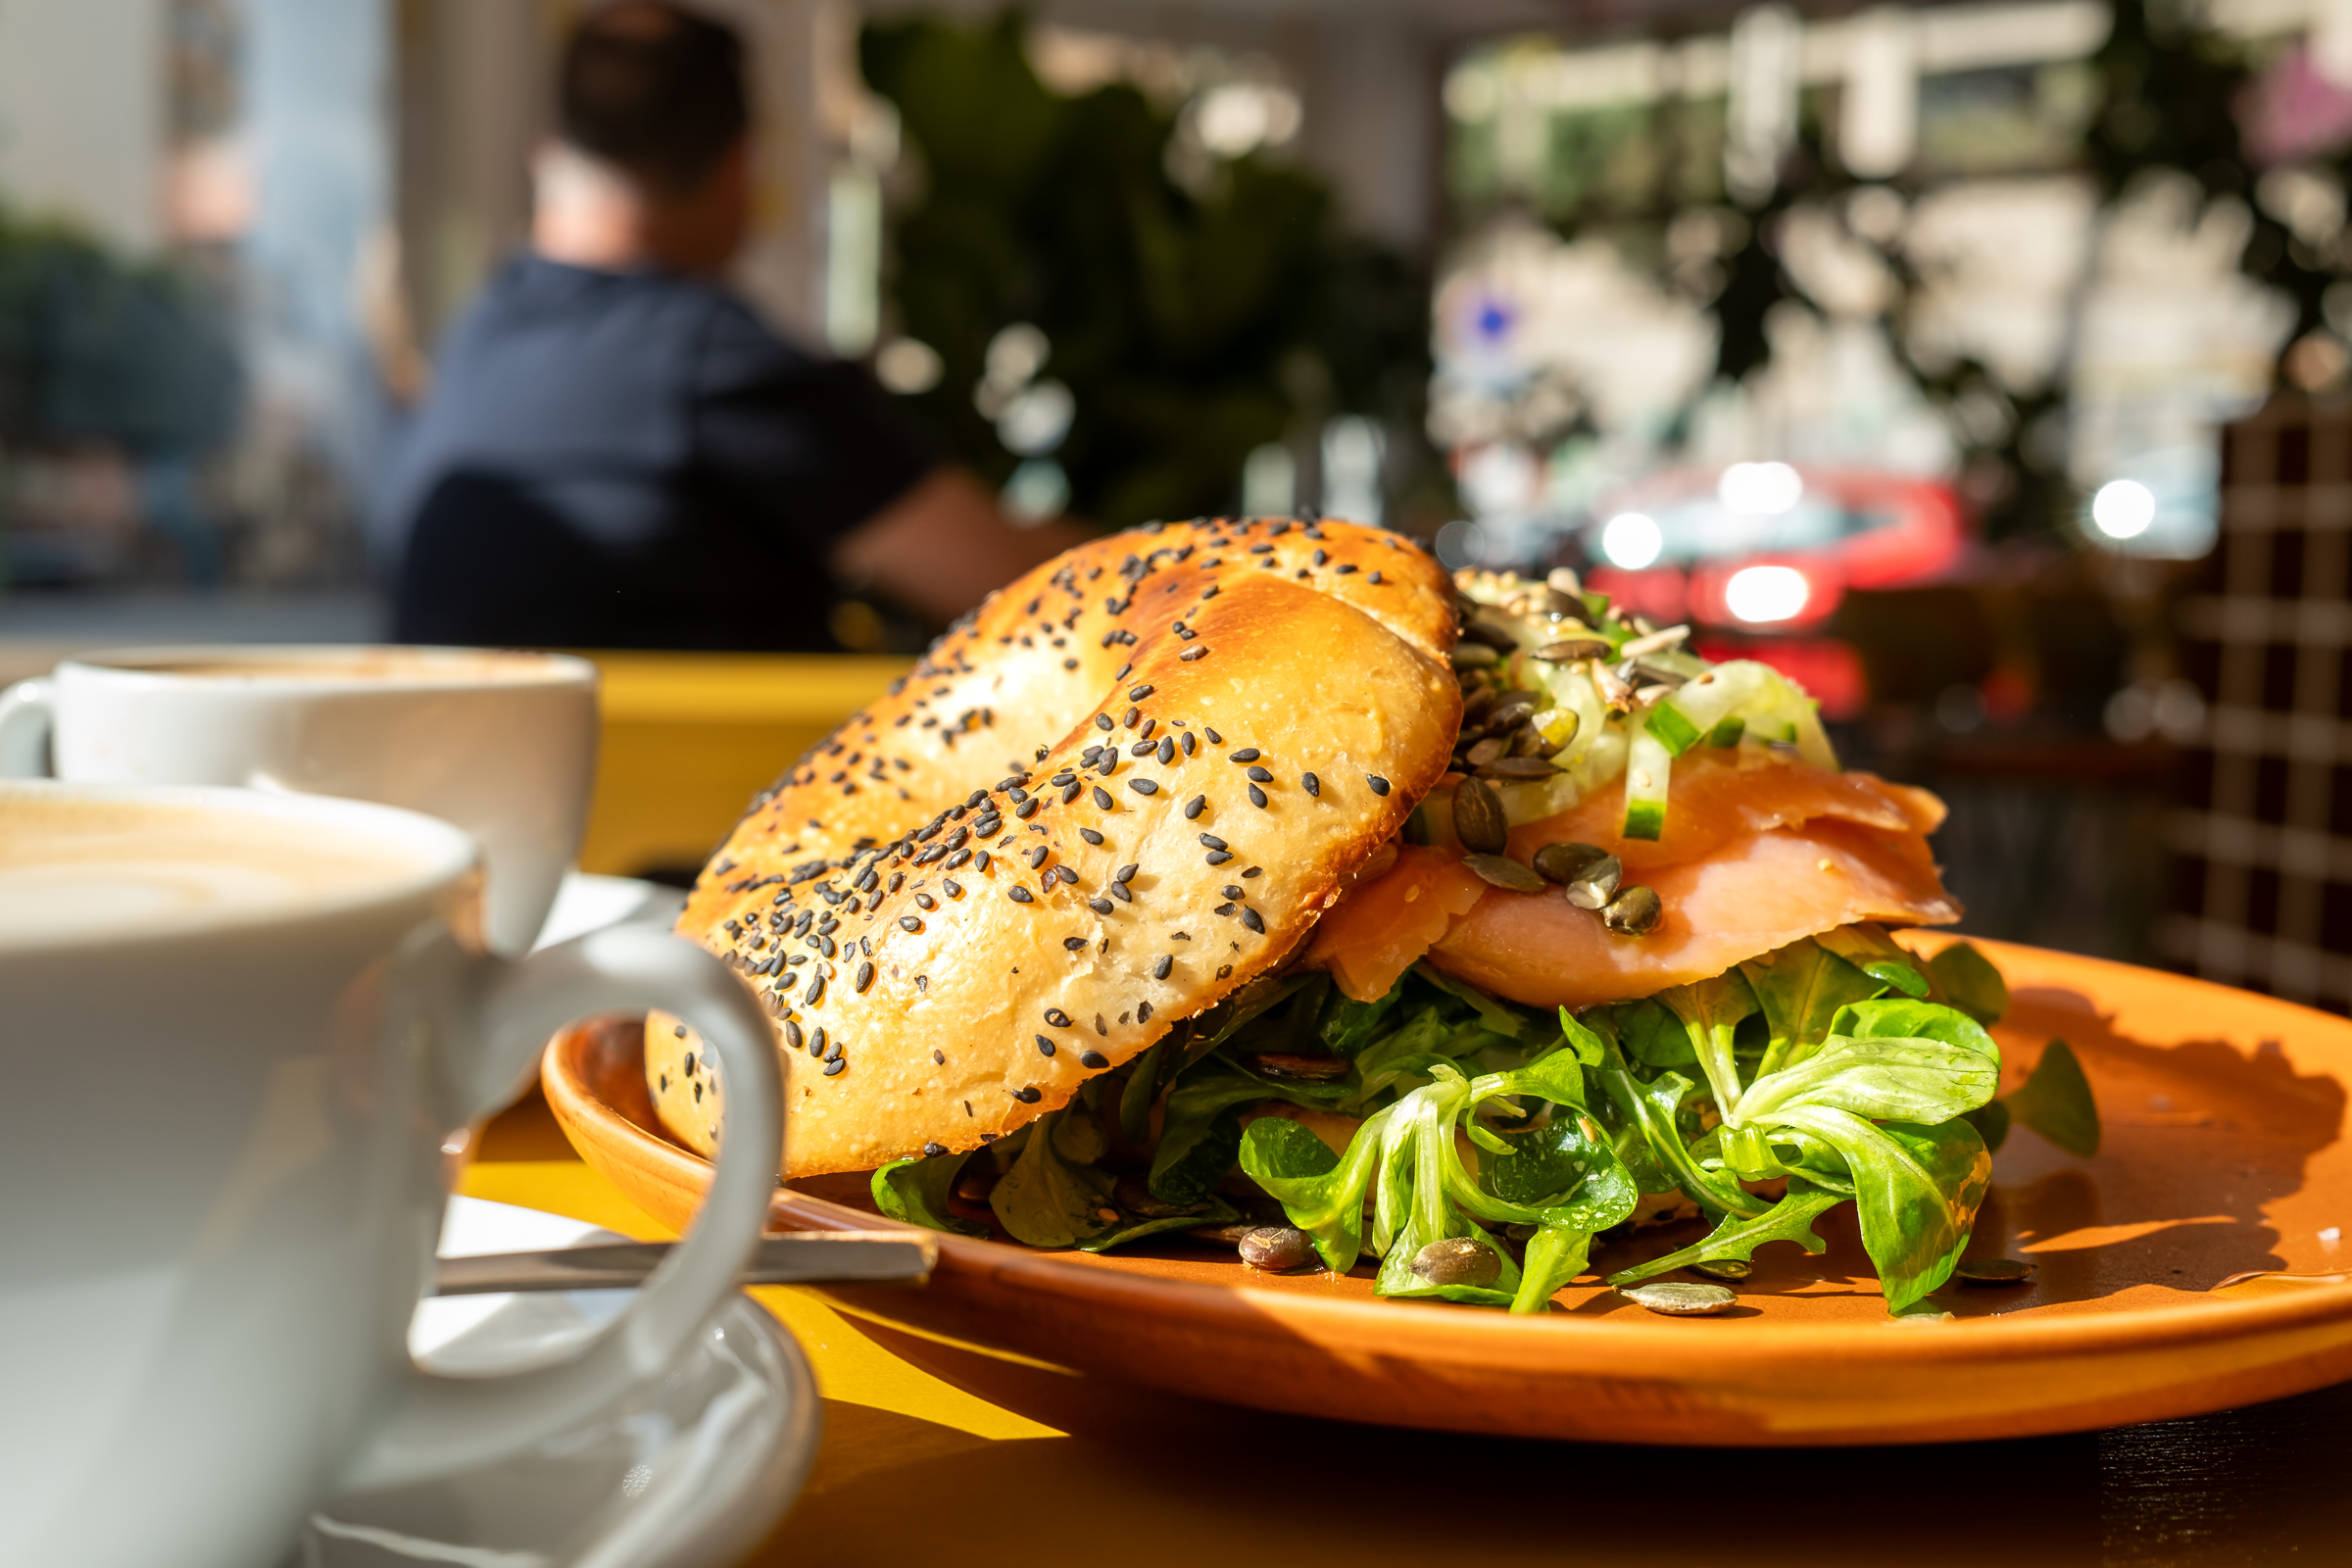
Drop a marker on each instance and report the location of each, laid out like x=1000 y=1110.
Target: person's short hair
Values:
x=655 y=90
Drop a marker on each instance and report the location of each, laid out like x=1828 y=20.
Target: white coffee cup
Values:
x=233 y=1026
x=501 y=744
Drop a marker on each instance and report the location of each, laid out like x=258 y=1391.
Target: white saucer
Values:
x=689 y=1469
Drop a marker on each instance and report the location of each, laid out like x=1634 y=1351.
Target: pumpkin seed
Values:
x=1478 y=819
x=1596 y=884
x=1459 y=1260
x=1278 y=1249
x=1562 y=860
x=1500 y=872
x=1633 y=913
x=1572 y=649
x=1993 y=1271
x=1516 y=767
x=1680 y=1298
x=1474 y=655
x=1484 y=752
x=1511 y=713
x=1301 y=1069
x=1725 y=1268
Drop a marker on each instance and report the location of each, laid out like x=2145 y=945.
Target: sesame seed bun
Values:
x=1290 y=687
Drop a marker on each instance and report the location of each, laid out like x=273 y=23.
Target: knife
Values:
x=818 y=1257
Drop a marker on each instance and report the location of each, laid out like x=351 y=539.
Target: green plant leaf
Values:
x=1916 y=1191
x=1800 y=988
x=1322 y=1193
x=1047 y=1200
x=1215 y=1211
x=914 y=1192
x=2056 y=1102
x=1789 y=1220
x=1991 y=1122
x=1867 y=947
x=1652 y=1035
x=1966 y=979
x=1898 y=1078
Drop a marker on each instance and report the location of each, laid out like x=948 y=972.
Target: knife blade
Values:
x=818 y=1257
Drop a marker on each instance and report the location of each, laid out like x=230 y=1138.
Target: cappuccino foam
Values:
x=395 y=667
x=74 y=869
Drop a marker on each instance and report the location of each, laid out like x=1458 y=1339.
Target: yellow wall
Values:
x=690 y=738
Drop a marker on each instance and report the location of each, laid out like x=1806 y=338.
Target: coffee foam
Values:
x=74 y=869
x=405 y=666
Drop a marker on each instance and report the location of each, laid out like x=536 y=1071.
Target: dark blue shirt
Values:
x=633 y=460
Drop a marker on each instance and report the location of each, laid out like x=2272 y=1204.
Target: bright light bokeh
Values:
x=2123 y=509
x=1760 y=489
x=1767 y=593
x=1630 y=540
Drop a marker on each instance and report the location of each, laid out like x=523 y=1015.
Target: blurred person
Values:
x=616 y=454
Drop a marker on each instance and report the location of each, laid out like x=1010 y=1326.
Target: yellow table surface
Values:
x=913 y=1470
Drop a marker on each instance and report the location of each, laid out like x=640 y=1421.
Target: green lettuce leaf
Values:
x=1800 y=988
x=1916 y=1191
x=1051 y=1197
x=1966 y=979
x=914 y=1192
x=1789 y=1220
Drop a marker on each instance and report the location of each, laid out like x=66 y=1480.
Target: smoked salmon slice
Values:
x=1758 y=852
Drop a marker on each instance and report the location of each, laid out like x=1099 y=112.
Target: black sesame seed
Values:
x=1259 y=775
x=1026 y=809
x=1074 y=944
x=1140 y=749
x=1255 y=870
x=1162 y=964
x=1102 y=797
x=1311 y=784
x=1212 y=592
x=1189 y=745
x=1099 y=906
x=1345 y=568
x=952 y=888
x=1209 y=841
x=1216 y=856
x=1233 y=891
x=1257 y=796
x=1057 y=1019
x=979 y=861
x=1143 y=1012
x=940 y=1056
x=833 y=1068
x=1224 y=969
x=1376 y=577
x=1018 y=895
x=1322 y=558
x=1118 y=891
x=1094 y=1059
x=1214 y=739
x=792 y=1035
x=1247 y=754
x=816 y=989
x=1125 y=873
x=934 y=1151
x=1222 y=909
x=959 y=860
x=1132 y=717
x=1261 y=549
x=1069 y=664
x=1168 y=749
x=1193 y=806
x=911 y=922
x=1045 y=1046
x=865 y=974
x=1142 y=786
x=1065 y=873
x=1072 y=791
x=1101 y=721
x=1192 y=653
x=1090 y=835
x=816 y=1044
x=1379 y=786
x=1027 y=1096
x=1037 y=857
x=1124 y=671
x=1251 y=919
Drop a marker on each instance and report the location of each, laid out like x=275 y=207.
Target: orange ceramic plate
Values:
x=2224 y=1156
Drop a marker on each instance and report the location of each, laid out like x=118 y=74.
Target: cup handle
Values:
x=28 y=710
x=438 y=1425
